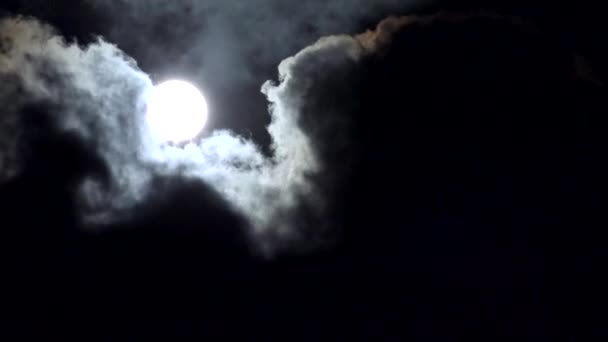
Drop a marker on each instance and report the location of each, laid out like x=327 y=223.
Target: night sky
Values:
x=380 y=171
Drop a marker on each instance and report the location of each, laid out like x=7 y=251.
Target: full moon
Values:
x=177 y=111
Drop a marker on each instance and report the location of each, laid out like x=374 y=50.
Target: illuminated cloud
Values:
x=100 y=93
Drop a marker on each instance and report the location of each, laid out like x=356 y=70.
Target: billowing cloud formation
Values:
x=96 y=92
x=100 y=93
x=92 y=87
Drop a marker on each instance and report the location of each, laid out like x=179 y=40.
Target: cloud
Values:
x=282 y=195
x=100 y=94
x=95 y=91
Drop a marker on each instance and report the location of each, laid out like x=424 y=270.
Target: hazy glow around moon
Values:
x=177 y=111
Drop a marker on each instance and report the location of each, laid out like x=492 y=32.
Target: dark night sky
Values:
x=466 y=196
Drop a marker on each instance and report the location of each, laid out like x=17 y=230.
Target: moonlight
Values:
x=177 y=111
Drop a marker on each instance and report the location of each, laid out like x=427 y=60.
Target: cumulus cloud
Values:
x=95 y=91
x=100 y=93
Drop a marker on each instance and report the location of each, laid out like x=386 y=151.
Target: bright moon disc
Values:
x=177 y=111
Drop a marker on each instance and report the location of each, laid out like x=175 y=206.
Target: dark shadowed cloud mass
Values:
x=99 y=93
x=447 y=171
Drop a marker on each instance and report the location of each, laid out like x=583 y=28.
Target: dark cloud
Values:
x=345 y=107
x=448 y=152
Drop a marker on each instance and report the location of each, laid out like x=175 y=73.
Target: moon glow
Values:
x=177 y=111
